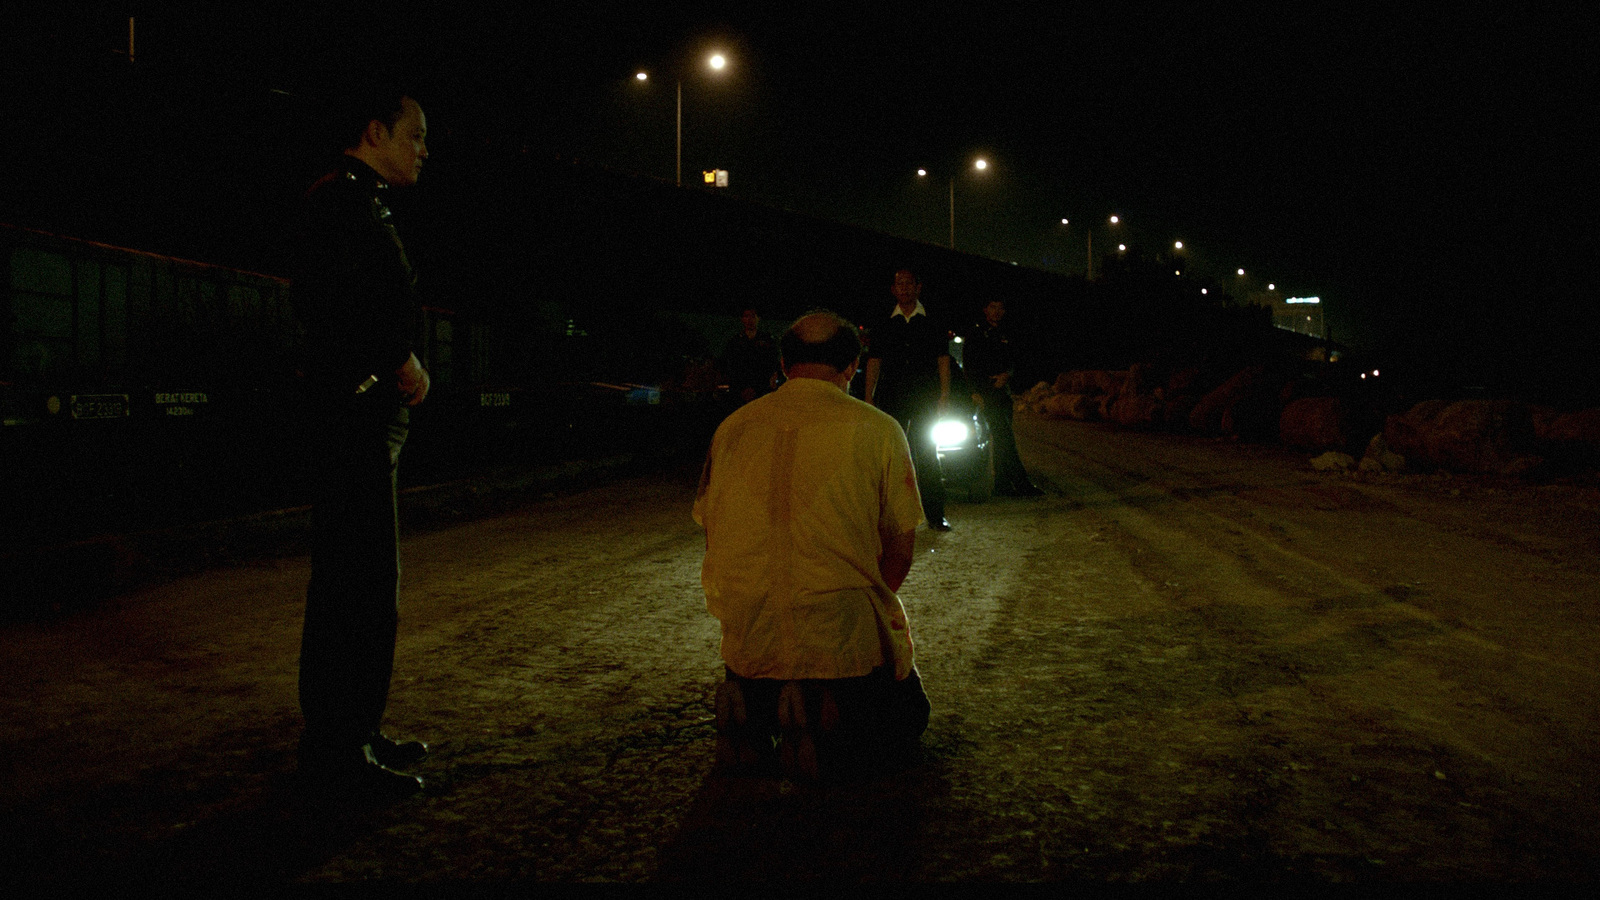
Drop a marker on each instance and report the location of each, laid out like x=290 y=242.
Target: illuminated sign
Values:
x=718 y=177
x=1304 y=300
x=180 y=403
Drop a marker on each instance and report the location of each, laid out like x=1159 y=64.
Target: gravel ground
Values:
x=1190 y=661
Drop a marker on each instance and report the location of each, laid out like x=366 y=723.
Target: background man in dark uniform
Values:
x=989 y=362
x=750 y=360
x=908 y=377
x=354 y=293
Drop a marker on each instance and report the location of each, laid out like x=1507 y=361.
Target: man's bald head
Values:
x=821 y=338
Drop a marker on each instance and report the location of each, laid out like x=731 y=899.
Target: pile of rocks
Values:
x=1475 y=436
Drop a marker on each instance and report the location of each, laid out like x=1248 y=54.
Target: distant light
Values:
x=1374 y=373
x=642 y=76
x=1177 y=245
x=1121 y=247
x=1241 y=271
x=1272 y=287
x=1177 y=271
x=718 y=61
x=1303 y=299
x=981 y=164
x=1115 y=220
x=1204 y=291
x=1063 y=221
x=957 y=339
x=921 y=172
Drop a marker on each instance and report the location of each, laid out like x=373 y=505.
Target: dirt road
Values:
x=1190 y=660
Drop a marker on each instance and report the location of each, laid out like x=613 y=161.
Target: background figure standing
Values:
x=750 y=360
x=353 y=291
x=908 y=377
x=989 y=364
x=810 y=508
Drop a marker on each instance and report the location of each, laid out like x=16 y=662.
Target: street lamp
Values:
x=1088 y=236
x=980 y=164
x=716 y=62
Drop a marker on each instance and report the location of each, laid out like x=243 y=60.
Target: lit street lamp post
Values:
x=1088 y=267
x=717 y=62
x=981 y=165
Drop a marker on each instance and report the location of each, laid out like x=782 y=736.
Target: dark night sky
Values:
x=1427 y=172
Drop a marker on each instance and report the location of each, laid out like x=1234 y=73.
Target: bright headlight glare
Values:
x=950 y=433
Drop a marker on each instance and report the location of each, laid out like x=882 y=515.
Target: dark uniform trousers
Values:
x=1009 y=474
x=917 y=418
x=347 y=646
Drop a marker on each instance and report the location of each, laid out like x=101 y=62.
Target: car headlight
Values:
x=950 y=433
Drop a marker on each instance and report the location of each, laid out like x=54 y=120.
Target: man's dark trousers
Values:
x=1009 y=474
x=347 y=645
x=918 y=419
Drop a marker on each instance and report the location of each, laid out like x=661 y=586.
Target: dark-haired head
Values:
x=362 y=105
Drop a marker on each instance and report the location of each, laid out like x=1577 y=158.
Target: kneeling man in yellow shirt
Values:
x=810 y=505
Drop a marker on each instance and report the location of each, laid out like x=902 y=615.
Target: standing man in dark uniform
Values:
x=908 y=377
x=750 y=360
x=989 y=363
x=354 y=293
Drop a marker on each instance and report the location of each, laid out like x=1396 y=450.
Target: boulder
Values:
x=1034 y=396
x=1136 y=410
x=1314 y=423
x=1404 y=433
x=1253 y=417
x=1208 y=414
x=1582 y=427
x=1067 y=406
x=1480 y=436
x=1379 y=458
x=1333 y=461
x=1092 y=382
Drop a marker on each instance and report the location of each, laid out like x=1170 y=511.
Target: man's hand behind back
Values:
x=414 y=381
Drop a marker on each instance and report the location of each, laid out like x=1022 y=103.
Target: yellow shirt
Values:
x=800 y=489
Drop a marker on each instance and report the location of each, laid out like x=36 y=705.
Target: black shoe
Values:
x=939 y=524
x=393 y=754
x=352 y=777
